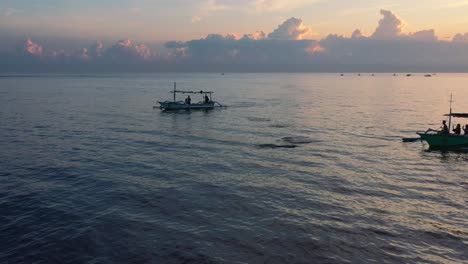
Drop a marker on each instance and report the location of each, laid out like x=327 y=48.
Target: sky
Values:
x=234 y=32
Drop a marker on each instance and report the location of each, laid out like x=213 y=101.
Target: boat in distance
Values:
x=444 y=140
x=206 y=104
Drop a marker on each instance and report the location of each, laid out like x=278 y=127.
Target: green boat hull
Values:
x=445 y=141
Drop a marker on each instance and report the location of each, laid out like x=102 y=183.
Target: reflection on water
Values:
x=458 y=154
x=299 y=168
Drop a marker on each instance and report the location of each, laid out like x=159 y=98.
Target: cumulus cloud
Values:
x=390 y=26
x=175 y=44
x=96 y=50
x=461 y=38
x=82 y=54
x=127 y=50
x=356 y=34
x=424 y=35
x=285 y=49
x=250 y=49
x=291 y=29
x=255 y=36
x=28 y=47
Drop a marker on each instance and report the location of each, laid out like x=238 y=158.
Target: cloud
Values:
x=250 y=49
x=390 y=26
x=29 y=48
x=255 y=36
x=96 y=50
x=424 y=35
x=285 y=49
x=175 y=44
x=81 y=54
x=356 y=34
x=126 y=50
x=461 y=38
x=291 y=29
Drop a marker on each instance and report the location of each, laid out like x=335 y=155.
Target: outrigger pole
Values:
x=174 y=90
x=450 y=115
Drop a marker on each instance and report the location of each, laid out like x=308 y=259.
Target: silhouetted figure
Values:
x=188 y=100
x=207 y=100
x=457 y=130
x=466 y=129
x=445 y=129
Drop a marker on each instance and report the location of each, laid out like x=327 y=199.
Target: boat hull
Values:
x=445 y=141
x=183 y=106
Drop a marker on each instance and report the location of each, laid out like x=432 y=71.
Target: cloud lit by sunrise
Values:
x=291 y=42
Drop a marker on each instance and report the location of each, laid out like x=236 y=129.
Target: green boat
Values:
x=438 y=140
x=444 y=141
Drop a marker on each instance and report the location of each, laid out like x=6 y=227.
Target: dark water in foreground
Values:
x=90 y=173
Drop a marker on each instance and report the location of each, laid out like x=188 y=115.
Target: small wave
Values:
x=243 y=104
x=258 y=119
x=279 y=125
x=276 y=146
x=299 y=140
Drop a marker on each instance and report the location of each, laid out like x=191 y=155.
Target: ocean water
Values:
x=298 y=168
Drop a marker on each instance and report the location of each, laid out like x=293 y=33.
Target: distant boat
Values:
x=437 y=140
x=408 y=75
x=206 y=104
x=341 y=74
x=428 y=75
x=394 y=74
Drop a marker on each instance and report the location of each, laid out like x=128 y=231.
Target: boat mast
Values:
x=450 y=115
x=174 y=90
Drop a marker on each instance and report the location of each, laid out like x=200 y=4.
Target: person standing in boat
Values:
x=466 y=129
x=457 y=130
x=188 y=100
x=445 y=129
x=207 y=100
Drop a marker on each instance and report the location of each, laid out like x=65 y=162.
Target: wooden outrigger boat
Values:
x=437 y=139
x=206 y=104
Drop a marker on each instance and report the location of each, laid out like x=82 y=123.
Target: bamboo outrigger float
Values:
x=206 y=104
x=439 y=140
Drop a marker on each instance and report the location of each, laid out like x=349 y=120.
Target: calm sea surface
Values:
x=299 y=168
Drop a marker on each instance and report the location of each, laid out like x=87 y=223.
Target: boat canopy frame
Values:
x=459 y=115
x=175 y=91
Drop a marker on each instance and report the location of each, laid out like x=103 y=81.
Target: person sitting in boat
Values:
x=207 y=100
x=466 y=129
x=445 y=129
x=457 y=130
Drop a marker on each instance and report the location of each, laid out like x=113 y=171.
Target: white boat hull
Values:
x=168 y=105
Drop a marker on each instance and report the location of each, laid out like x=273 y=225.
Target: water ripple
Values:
x=300 y=168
